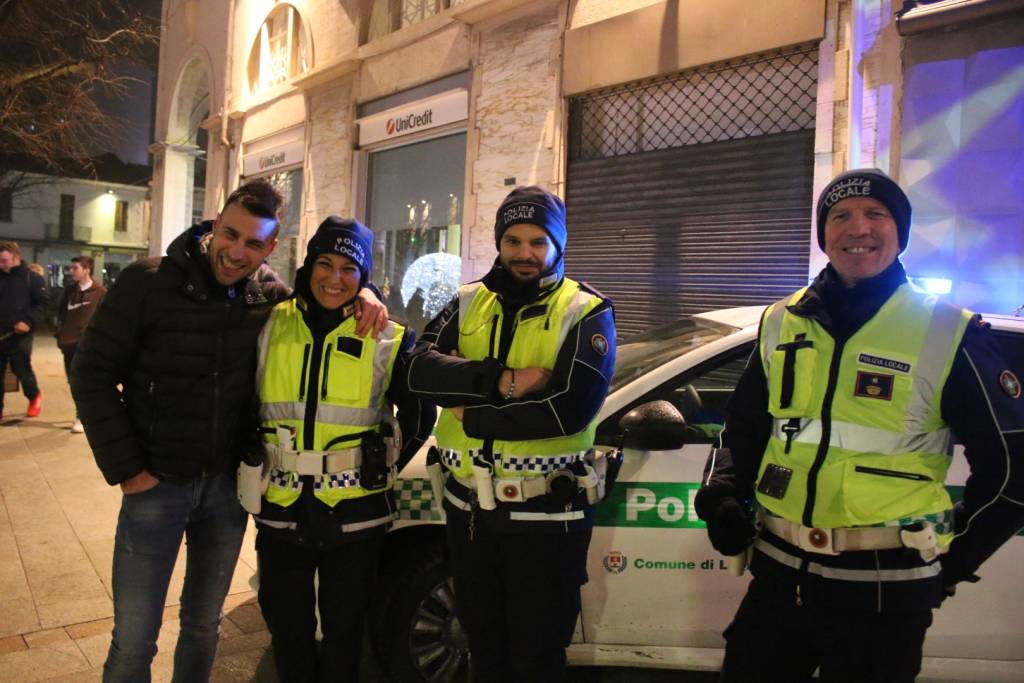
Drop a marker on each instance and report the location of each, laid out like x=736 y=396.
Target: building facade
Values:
x=688 y=137
x=56 y=218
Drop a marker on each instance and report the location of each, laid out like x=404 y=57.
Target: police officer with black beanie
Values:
x=520 y=361
x=840 y=433
x=327 y=397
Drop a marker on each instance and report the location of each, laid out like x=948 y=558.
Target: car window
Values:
x=639 y=354
x=700 y=394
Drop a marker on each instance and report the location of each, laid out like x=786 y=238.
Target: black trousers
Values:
x=518 y=597
x=17 y=350
x=772 y=639
x=287 y=598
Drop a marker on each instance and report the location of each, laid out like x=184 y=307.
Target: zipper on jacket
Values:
x=826 y=432
x=891 y=473
x=327 y=368
x=152 y=407
x=302 y=376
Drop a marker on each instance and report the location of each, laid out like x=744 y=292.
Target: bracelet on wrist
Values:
x=512 y=385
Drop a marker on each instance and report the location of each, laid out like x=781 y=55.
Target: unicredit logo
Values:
x=409 y=122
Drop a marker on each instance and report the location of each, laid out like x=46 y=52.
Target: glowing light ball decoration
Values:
x=437 y=275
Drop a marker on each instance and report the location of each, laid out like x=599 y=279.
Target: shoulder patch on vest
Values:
x=874 y=385
x=1010 y=384
x=600 y=344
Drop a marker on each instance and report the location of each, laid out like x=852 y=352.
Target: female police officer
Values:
x=332 y=450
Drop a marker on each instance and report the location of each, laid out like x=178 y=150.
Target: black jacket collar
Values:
x=844 y=310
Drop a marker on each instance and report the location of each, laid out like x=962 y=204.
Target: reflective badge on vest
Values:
x=873 y=385
x=775 y=481
x=887 y=363
x=1010 y=384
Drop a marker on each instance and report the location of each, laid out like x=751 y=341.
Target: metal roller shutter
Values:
x=679 y=231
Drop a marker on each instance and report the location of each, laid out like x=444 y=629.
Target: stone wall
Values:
x=514 y=119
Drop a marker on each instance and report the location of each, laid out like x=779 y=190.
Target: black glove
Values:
x=954 y=571
x=730 y=527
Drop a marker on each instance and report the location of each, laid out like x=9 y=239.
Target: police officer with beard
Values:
x=520 y=361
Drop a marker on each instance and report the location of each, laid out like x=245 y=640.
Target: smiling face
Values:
x=861 y=239
x=526 y=251
x=241 y=242
x=334 y=280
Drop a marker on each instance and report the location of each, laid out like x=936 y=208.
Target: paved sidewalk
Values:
x=57 y=522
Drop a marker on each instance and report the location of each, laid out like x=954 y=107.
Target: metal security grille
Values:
x=693 y=192
x=762 y=95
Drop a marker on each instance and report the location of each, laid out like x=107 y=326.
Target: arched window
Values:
x=280 y=51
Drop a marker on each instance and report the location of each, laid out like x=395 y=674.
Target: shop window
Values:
x=121 y=216
x=6 y=205
x=391 y=15
x=280 y=51
x=415 y=210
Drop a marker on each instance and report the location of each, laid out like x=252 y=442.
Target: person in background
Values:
x=78 y=302
x=22 y=307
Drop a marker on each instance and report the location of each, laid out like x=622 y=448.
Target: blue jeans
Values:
x=149 y=532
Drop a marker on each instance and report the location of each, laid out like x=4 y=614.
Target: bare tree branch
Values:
x=56 y=59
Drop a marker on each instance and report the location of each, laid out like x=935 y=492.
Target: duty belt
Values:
x=835 y=541
x=314 y=462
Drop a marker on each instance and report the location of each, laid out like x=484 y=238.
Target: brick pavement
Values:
x=57 y=522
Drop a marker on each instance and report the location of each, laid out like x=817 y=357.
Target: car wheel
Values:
x=416 y=635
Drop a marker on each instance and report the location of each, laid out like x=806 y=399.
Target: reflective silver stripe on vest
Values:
x=771 y=328
x=546 y=516
x=368 y=524
x=385 y=345
x=573 y=313
x=262 y=349
x=466 y=294
x=296 y=410
x=931 y=361
x=865 y=575
x=855 y=437
x=537 y=463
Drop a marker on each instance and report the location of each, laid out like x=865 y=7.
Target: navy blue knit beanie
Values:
x=532 y=205
x=344 y=237
x=866 y=182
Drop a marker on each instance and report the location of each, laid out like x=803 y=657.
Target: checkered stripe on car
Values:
x=413 y=497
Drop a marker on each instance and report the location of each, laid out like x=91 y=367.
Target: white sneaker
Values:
x=77 y=428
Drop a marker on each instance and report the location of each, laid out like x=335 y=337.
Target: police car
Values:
x=659 y=595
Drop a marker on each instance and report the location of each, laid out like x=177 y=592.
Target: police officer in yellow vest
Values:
x=840 y=434
x=332 y=450
x=521 y=361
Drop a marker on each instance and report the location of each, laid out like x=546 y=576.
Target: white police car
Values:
x=659 y=595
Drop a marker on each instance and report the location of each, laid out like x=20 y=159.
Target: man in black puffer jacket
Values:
x=164 y=380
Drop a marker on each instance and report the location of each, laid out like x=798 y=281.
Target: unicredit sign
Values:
x=409 y=123
x=449 y=107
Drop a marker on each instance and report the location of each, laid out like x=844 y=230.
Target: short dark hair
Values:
x=87 y=262
x=11 y=247
x=259 y=198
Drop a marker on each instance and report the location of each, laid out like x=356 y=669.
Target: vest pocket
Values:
x=879 y=491
x=342 y=376
x=792 y=379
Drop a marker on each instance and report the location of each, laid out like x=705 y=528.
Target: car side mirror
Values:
x=654 y=426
